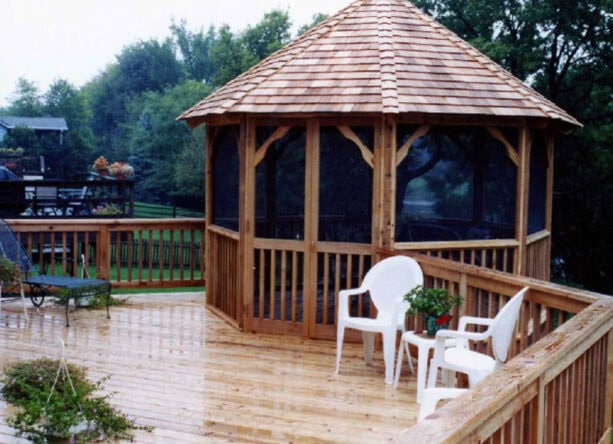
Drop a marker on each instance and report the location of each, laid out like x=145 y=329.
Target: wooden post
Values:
x=549 y=144
x=521 y=211
x=246 y=221
x=103 y=256
x=608 y=406
x=385 y=186
x=208 y=209
x=311 y=227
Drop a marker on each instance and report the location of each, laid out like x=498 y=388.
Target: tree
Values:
x=156 y=139
x=26 y=100
x=141 y=67
x=564 y=50
x=315 y=20
x=70 y=158
x=194 y=51
x=219 y=55
x=229 y=57
x=269 y=35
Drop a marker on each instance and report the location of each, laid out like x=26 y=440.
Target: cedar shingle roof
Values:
x=379 y=56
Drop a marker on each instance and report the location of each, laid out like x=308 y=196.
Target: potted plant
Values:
x=121 y=170
x=56 y=402
x=9 y=271
x=435 y=304
x=101 y=166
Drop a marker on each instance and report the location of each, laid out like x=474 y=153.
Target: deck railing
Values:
x=129 y=252
x=558 y=386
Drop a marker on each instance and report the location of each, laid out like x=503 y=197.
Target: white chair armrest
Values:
x=466 y=320
x=455 y=334
x=462 y=338
x=343 y=299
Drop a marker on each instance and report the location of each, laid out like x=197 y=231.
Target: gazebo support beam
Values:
x=404 y=149
x=523 y=189
x=261 y=152
x=364 y=150
x=511 y=152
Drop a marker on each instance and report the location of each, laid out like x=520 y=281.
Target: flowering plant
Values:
x=101 y=164
x=121 y=169
x=106 y=210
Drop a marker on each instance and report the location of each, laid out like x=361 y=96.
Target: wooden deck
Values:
x=176 y=366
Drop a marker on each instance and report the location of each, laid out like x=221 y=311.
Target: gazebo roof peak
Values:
x=378 y=56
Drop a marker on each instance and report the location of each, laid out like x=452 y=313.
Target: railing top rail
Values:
x=457 y=245
x=93 y=224
x=516 y=382
x=550 y=294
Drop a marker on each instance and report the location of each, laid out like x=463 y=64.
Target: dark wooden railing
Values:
x=50 y=198
x=129 y=252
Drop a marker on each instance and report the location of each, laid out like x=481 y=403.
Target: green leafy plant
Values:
x=95 y=298
x=435 y=304
x=431 y=301
x=9 y=271
x=66 y=409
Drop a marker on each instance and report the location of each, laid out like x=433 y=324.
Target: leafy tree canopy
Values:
x=563 y=49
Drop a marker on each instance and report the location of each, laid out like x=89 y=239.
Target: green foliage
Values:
x=146 y=66
x=269 y=35
x=9 y=271
x=431 y=301
x=46 y=411
x=564 y=50
x=157 y=140
x=66 y=154
x=26 y=100
x=316 y=20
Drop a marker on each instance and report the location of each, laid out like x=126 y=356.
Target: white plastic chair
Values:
x=477 y=365
x=387 y=283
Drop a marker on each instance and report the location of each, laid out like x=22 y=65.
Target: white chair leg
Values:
x=389 y=349
x=340 y=332
x=399 y=363
x=368 y=339
x=406 y=349
x=0 y=298
x=403 y=347
x=432 y=373
x=431 y=397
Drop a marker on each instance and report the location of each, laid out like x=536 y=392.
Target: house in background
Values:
x=29 y=166
x=40 y=125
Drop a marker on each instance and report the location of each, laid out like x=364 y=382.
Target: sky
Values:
x=44 y=40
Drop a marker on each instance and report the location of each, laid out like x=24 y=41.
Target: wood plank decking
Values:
x=177 y=367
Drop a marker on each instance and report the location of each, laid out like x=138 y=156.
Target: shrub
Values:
x=9 y=271
x=65 y=409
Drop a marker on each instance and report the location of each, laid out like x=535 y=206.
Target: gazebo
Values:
x=377 y=130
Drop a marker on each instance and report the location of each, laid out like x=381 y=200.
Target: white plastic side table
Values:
x=424 y=344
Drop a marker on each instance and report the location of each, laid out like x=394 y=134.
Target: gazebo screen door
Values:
x=313 y=212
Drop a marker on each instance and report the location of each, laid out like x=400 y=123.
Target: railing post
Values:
x=608 y=407
x=103 y=257
x=537 y=431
